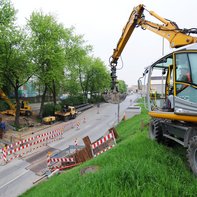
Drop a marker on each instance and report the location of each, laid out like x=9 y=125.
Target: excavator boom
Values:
x=167 y=29
x=127 y=31
x=7 y=100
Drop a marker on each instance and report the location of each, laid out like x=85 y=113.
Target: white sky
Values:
x=101 y=22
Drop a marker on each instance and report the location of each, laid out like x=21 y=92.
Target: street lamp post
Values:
x=118 y=112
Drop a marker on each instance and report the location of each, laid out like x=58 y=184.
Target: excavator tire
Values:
x=155 y=131
x=192 y=154
x=72 y=116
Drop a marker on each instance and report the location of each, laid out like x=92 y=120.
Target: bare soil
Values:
x=28 y=126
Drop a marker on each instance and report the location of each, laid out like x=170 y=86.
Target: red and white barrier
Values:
x=48 y=161
x=63 y=159
x=78 y=125
x=104 y=144
x=20 y=142
x=4 y=154
x=33 y=138
x=104 y=139
x=60 y=160
x=104 y=150
x=10 y=152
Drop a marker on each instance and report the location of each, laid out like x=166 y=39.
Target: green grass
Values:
x=137 y=167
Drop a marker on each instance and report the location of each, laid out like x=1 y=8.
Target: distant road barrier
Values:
x=25 y=146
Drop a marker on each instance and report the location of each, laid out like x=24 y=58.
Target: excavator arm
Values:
x=126 y=33
x=114 y=96
x=168 y=29
x=7 y=100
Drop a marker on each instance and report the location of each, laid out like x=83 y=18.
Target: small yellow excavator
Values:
x=174 y=112
x=25 y=109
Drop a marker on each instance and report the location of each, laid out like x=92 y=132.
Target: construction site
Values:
x=122 y=143
x=31 y=125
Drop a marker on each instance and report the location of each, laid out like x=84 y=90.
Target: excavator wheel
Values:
x=192 y=154
x=74 y=116
x=155 y=131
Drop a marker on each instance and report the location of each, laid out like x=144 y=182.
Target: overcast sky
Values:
x=101 y=22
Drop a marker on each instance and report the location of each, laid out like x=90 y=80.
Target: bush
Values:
x=73 y=101
x=96 y=99
x=49 y=109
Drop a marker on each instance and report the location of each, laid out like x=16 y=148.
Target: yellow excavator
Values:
x=174 y=113
x=25 y=109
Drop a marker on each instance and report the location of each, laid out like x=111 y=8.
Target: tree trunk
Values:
x=42 y=101
x=54 y=93
x=17 y=116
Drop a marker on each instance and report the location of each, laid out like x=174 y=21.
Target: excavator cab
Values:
x=25 y=108
x=175 y=76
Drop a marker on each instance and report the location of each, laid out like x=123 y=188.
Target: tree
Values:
x=16 y=65
x=122 y=86
x=7 y=18
x=7 y=14
x=48 y=40
x=75 y=67
x=84 y=73
x=96 y=76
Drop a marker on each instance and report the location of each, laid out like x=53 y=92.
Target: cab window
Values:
x=186 y=76
x=183 y=71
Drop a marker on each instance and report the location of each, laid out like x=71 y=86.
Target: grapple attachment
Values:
x=114 y=97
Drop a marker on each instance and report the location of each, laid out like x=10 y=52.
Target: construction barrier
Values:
x=59 y=163
x=78 y=125
x=22 y=147
x=63 y=159
x=81 y=153
x=4 y=154
x=25 y=146
x=103 y=144
x=106 y=149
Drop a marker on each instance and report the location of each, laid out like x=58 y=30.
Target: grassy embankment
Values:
x=137 y=166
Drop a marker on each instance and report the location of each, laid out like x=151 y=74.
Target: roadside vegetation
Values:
x=136 y=166
x=49 y=58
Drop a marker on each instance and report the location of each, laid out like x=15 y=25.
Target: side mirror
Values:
x=139 y=84
x=164 y=71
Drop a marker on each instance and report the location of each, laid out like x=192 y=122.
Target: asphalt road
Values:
x=18 y=175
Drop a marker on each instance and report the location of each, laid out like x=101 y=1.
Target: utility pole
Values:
x=162 y=84
x=118 y=112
